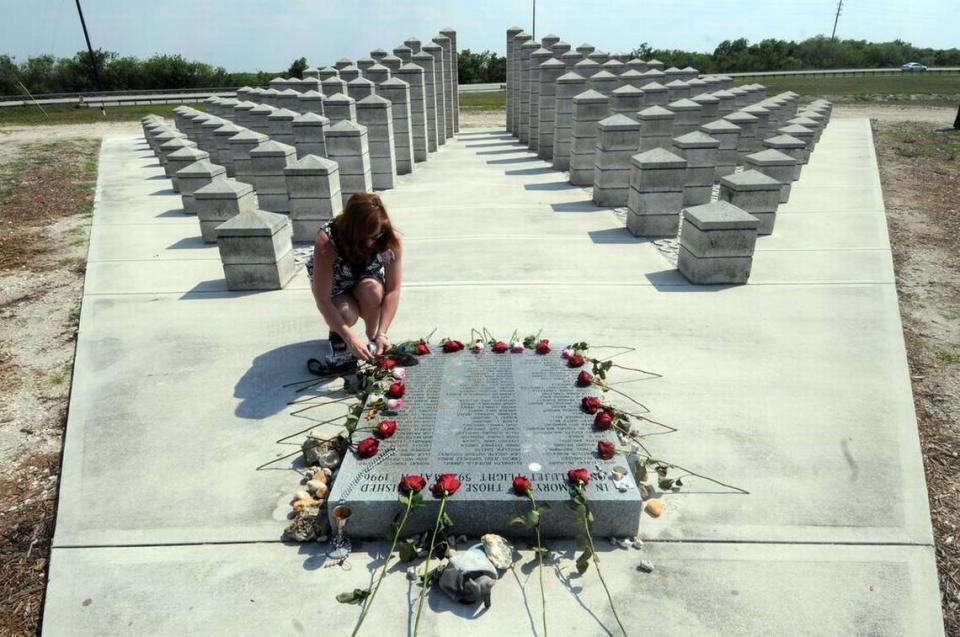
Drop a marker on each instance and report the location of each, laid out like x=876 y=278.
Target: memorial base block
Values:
x=488 y=417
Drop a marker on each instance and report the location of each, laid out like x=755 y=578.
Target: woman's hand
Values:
x=359 y=348
x=383 y=343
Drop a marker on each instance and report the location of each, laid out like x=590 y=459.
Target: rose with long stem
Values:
x=577 y=479
x=446 y=485
x=523 y=487
x=409 y=495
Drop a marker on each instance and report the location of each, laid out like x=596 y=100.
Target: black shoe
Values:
x=336 y=367
x=337 y=344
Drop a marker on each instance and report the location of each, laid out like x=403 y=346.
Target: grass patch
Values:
x=487 y=101
x=951 y=358
x=71 y=114
x=861 y=86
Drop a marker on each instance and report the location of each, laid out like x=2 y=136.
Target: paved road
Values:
x=794 y=386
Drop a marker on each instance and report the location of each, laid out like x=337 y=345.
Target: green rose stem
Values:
x=596 y=560
x=543 y=593
x=426 y=566
x=386 y=565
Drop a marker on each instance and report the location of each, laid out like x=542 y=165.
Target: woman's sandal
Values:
x=318 y=367
x=337 y=344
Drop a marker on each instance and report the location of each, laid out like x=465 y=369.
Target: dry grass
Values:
x=920 y=171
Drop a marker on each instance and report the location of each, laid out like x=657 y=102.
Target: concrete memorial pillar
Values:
x=375 y=113
x=260 y=118
x=537 y=58
x=727 y=102
x=603 y=82
x=740 y=95
x=413 y=76
x=697 y=86
x=550 y=72
x=332 y=86
x=179 y=159
x=222 y=137
x=627 y=100
x=342 y=63
x=219 y=201
x=655 y=94
x=678 y=90
x=449 y=87
x=546 y=41
x=379 y=54
x=523 y=124
x=311 y=73
x=652 y=76
x=656 y=128
x=569 y=85
x=226 y=108
x=349 y=73
x=267 y=162
x=636 y=64
x=717 y=242
x=311 y=102
x=392 y=62
x=207 y=141
x=398 y=93
x=775 y=165
x=806 y=122
x=169 y=147
x=517 y=87
x=656 y=193
x=585 y=49
x=313 y=184
x=339 y=108
x=195 y=176
x=429 y=102
x=790 y=146
x=618 y=138
x=288 y=99
x=439 y=90
x=701 y=153
x=326 y=73
x=451 y=35
x=672 y=74
x=748 y=142
x=240 y=146
x=655 y=65
x=570 y=59
x=586 y=68
x=162 y=138
x=241 y=114
x=599 y=57
x=256 y=251
x=377 y=73
x=308 y=134
x=613 y=67
x=763 y=121
x=728 y=134
x=800 y=132
x=413 y=44
x=559 y=48
x=280 y=123
x=360 y=88
x=687 y=116
x=709 y=107
x=511 y=56
x=364 y=65
x=347 y=145
x=269 y=97
x=589 y=108
x=633 y=78
x=755 y=193
x=404 y=53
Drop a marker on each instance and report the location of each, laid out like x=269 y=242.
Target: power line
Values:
x=833 y=36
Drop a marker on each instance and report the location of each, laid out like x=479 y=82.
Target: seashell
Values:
x=645 y=566
x=498 y=550
x=654 y=508
x=327 y=473
x=301 y=495
x=624 y=543
x=300 y=505
x=321 y=491
x=637 y=543
x=313 y=485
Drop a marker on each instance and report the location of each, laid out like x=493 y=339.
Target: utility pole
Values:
x=836 y=19
x=93 y=59
x=534 y=19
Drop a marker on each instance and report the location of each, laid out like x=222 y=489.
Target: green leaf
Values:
x=407 y=551
x=678 y=482
x=404 y=499
x=417 y=500
x=544 y=507
x=446 y=520
x=540 y=550
x=532 y=518
x=583 y=543
x=583 y=561
x=520 y=519
x=355 y=596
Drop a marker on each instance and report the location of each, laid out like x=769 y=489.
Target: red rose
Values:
x=591 y=404
x=422 y=349
x=451 y=345
x=387 y=428
x=411 y=484
x=500 y=347
x=396 y=390
x=606 y=449
x=584 y=379
x=387 y=363
x=576 y=361
x=578 y=476
x=368 y=447
x=603 y=420
x=446 y=485
x=543 y=347
x=522 y=485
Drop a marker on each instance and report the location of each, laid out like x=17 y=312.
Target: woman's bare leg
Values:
x=369 y=295
x=348 y=308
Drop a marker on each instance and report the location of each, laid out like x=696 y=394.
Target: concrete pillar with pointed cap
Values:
x=776 y=165
x=308 y=134
x=517 y=85
x=510 y=59
x=439 y=89
x=755 y=193
x=377 y=73
x=359 y=88
x=537 y=58
x=398 y=92
x=550 y=72
x=589 y=108
x=311 y=102
x=256 y=250
x=280 y=123
x=194 y=176
x=313 y=184
x=220 y=201
x=429 y=91
x=240 y=146
x=375 y=113
x=347 y=145
x=182 y=158
x=267 y=162
x=717 y=242
x=404 y=53
x=413 y=44
x=569 y=85
x=656 y=128
x=451 y=34
x=449 y=84
x=618 y=138
x=340 y=107
x=656 y=193
x=702 y=153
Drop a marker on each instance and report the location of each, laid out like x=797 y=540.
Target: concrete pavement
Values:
x=794 y=387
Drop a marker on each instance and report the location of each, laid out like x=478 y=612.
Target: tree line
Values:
x=49 y=74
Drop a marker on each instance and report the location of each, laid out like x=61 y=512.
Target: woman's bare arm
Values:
x=324 y=257
x=391 y=290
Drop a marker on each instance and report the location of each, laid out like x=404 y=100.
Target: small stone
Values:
x=654 y=508
x=498 y=550
x=636 y=543
x=300 y=505
x=301 y=495
x=303 y=528
x=329 y=460
x=412 y=573
x=624 y=543
x=645 y=566
x=319 y=489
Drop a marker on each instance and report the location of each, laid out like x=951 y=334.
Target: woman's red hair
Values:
x=363 y=218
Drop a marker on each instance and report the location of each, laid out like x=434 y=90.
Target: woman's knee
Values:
x=369 y=293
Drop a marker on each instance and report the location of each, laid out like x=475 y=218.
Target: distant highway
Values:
x=183 y=96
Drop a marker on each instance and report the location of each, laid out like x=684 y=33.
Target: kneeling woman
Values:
x=356 y=271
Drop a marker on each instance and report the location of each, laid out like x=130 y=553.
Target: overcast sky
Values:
x=247 y=35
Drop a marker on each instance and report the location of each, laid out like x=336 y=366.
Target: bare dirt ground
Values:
x=45 y=202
